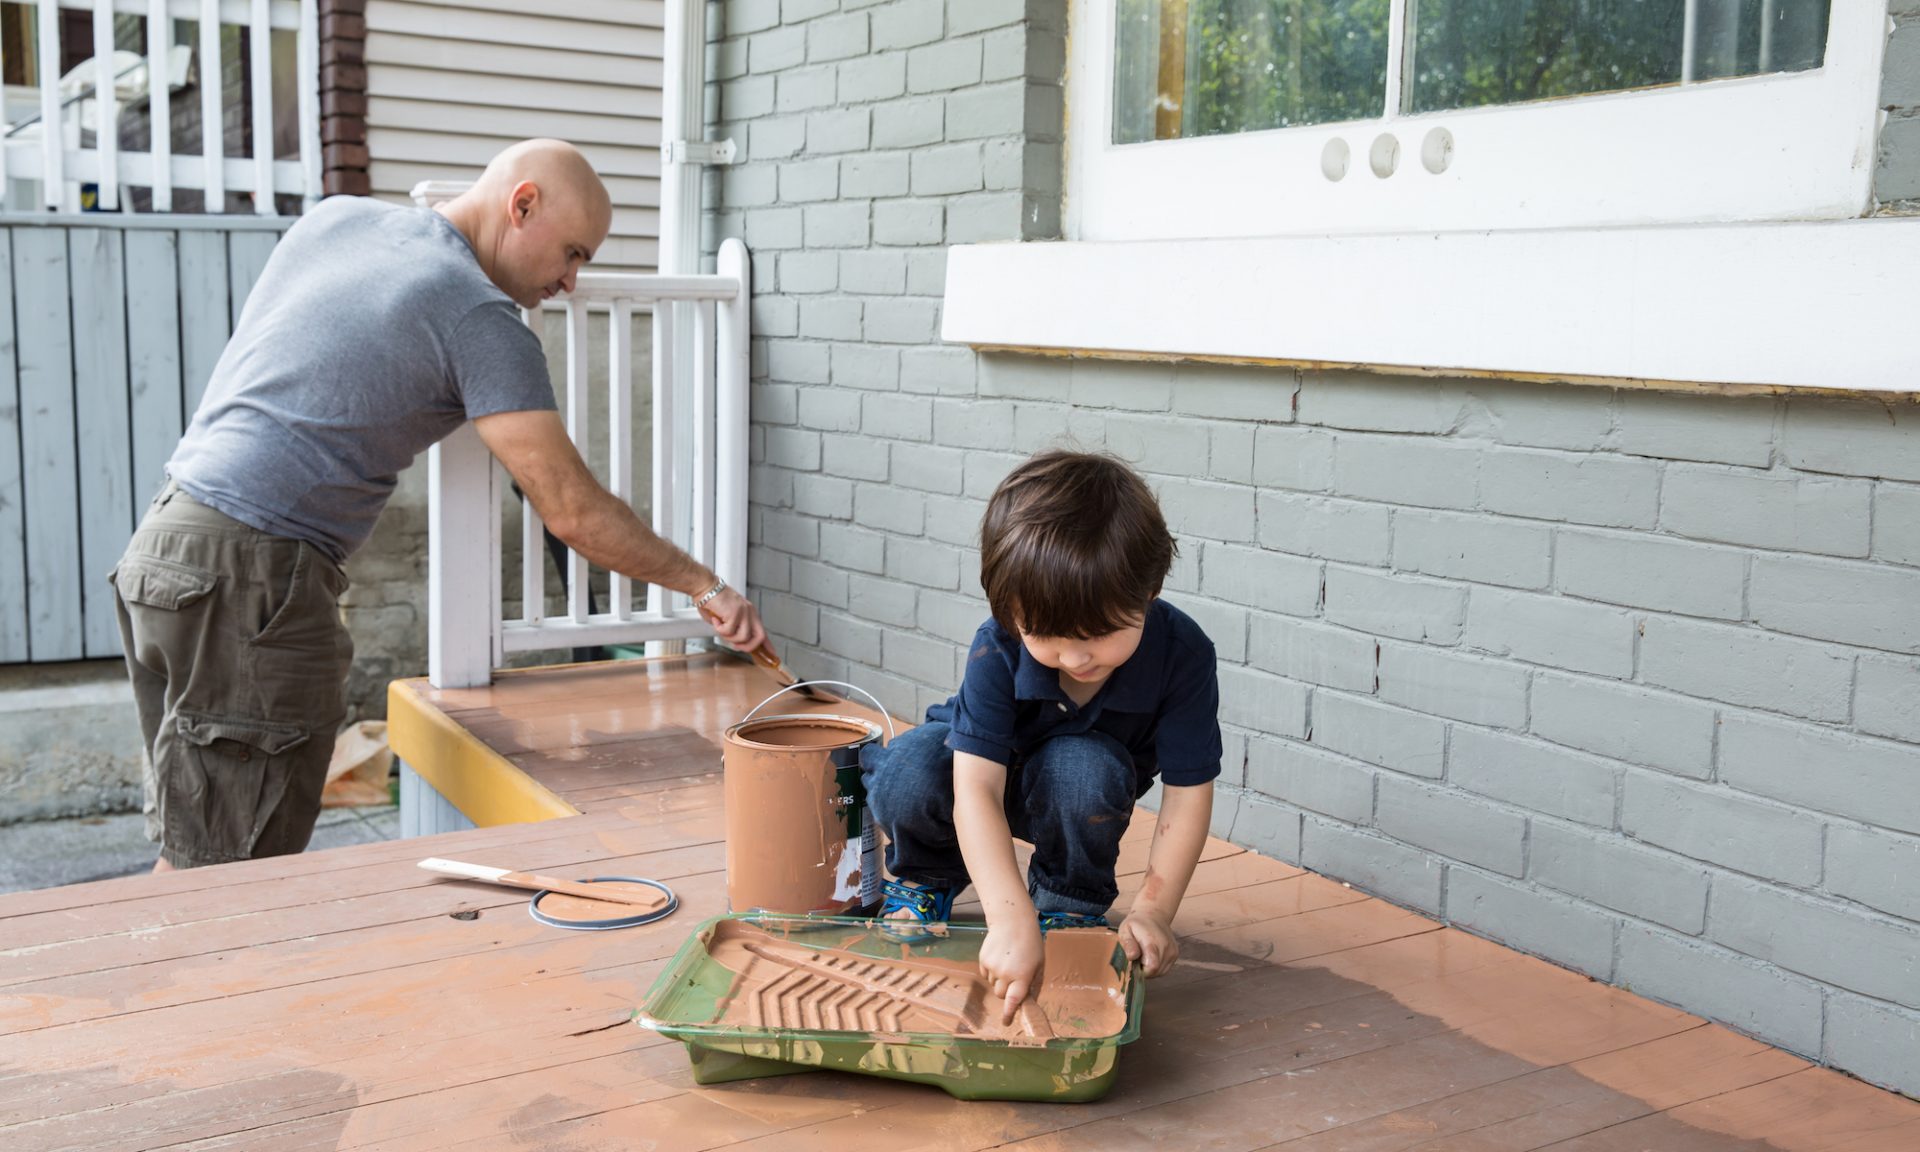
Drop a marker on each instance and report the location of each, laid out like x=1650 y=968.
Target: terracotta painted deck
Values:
x=334 y=1000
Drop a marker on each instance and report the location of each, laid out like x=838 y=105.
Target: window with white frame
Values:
x=1195 y=118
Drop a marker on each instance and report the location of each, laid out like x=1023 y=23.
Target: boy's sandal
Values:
x=1072 y=920
x=923 y=905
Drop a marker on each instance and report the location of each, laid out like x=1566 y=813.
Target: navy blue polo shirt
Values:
x=1163 y=704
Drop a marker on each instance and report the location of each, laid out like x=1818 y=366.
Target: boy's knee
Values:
x=1090 y=771
x=913 y=774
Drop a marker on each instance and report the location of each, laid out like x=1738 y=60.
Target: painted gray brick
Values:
x=984 y=217
x=854 y=639
x=949 y=617
x=795 y=535
x=826 y=497
x=1387 y=737
x=1473 y=548
x=1224 y=392
x=1318 y=526
x=1156 y=444
x=930 y=469
x=1886 y=698
x=855 y=457
x=1756 y=998
x=807 y=180
x=853 y=548
x=908 y=222
x=1826 y=941
x=1451 y=824
x=890 y=509
x=747 y=98
x=799 y=361
x=1876 y=868
x=987 y=111
x=1647 y=572
x=1723 y=827
x=1747 y=666
x=1610 y=491
x=1427 y=473
x=924 y=562
x=730 y=59
x=898 y=418
x=939 y=371
x=1261 y=702
x=776 y=48
x=1552 y=630
x=1462 y=687
x=953 y=519
x=920 y=658
x=944 y=66
x=768 y=570
x=871 y=78
x=798 y=11
x=1397 y=606
x=1214 y=511
x=1264 y=826
x=1038 y=426
x=1296 y=458
x=1613 y=873
x=1533 y=775
x=776 y=137
x=1224 y=624
x=1233 y=755
x=971 y=424
x=1143 y=387
x=800 y=90
x=830 y=409
x=1369 y=403
x=1625 y=722
x=927 y=272
x=1851 y=438
x=985 y=470
x=1531 y=920
x=808 y=272
x=1865 y=604
x=792 y=618
x=770 y=486
x=877 y=272
x=774 y=228
x=1371 y=863
x=1311 y=779
x=1003 y=162
x=775 y=403
x=837 y=38
x=830 y=318
x=906 y=320
x=908 y=23
x=1896 y=524
x=946 y=170
x=1269 y=580
x=1534 y=414
x=1785 y=510
x=792 y=448
x=1714 y=429
x=820 y=583
x=837 y=225
x=909 y=123
x=964 y=16
x=1874 y=781
x=864 y=366
x=1310 y=652
x=751 y=186
x=1230 y=453
x=1877 y=1042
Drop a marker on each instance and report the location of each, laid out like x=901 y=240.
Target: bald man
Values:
x=373 y=332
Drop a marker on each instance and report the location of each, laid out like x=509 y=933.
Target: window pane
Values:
x=1470 y=53
x=1210 y=67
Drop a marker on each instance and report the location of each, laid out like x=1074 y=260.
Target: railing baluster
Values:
x=731 y=341
x=260 y=52
x=620 y=435
x=307 y=78
x=700 y=541
x=160 y=101
x=4 y=124
x=212 y=125
x=533 y=539
x=53 y=134
x=106 y=108
x=579 y=429
x=658 y=604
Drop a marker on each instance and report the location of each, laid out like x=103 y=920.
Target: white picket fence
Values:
x=468 y=634
x=48 y=149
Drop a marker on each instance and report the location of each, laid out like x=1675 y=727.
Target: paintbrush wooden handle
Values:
x=512 y=879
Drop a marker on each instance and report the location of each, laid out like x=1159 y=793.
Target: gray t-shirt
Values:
x=371 y=334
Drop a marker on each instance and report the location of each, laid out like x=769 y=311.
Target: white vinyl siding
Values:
x=451 y=82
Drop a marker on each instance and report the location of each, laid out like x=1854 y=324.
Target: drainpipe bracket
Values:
x=716 y=152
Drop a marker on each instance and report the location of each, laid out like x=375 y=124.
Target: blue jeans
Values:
x=1071 y=799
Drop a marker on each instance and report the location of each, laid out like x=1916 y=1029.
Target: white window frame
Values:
x=1789 y=146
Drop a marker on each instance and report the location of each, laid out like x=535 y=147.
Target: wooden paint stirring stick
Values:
x=512 y=879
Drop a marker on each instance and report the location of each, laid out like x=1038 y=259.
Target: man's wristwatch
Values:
x=700 y=601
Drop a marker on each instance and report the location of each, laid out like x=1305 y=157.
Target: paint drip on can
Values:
x=800 y=837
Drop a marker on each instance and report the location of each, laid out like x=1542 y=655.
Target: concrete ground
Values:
x=49 y=853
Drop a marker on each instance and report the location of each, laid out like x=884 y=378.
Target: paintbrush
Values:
x=512 y=879
x=767 y=658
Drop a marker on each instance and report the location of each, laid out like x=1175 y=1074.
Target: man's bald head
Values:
x=536 y=214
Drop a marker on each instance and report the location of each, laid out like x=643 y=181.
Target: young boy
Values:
x=1081 y=688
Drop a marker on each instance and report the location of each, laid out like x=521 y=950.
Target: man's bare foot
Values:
x=161 y=865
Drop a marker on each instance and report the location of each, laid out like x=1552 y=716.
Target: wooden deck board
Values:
x=331 y=1001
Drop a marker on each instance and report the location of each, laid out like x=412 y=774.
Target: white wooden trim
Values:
x=1806 y=305
x=213 y=177
x=160 y=106
x=260 y=57
x=1788 y=146
x=463 y=519
x=237 y=172
x=284 y=14
x=731 y=339
x=306 y=73
x=620 y=422
x=52 y=125
x=145 y=222
x=580 y=430
x=106 y=104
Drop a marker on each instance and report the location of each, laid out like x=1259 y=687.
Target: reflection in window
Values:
x=1209 y=67
x=1471 y=53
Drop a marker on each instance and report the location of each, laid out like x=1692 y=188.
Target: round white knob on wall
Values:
x=1334 y=159
x=1384 y=157
x=1436 y=151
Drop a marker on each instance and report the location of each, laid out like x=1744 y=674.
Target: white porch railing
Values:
x=467 y=633
x=47 y=146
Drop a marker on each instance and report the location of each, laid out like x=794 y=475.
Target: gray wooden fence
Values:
x=109 y=330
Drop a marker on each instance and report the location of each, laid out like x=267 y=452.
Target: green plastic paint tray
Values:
x=690 y=995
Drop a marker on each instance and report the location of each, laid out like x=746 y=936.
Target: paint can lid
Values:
x=559 y=910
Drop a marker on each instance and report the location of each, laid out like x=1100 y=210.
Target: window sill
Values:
x=1739 y=307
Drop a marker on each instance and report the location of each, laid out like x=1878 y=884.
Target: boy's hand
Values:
x=1149 y=940
x=1010 y=960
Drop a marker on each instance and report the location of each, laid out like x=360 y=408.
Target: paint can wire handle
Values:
x=871 y=699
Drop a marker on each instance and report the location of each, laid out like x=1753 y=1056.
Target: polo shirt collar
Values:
x=1133 y=687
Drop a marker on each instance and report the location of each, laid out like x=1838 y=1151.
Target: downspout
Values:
x=682 y=127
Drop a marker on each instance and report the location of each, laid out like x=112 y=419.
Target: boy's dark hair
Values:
x=1073 y=544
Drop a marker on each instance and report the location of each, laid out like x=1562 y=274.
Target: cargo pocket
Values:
x=229 y=778
x=160 y=583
